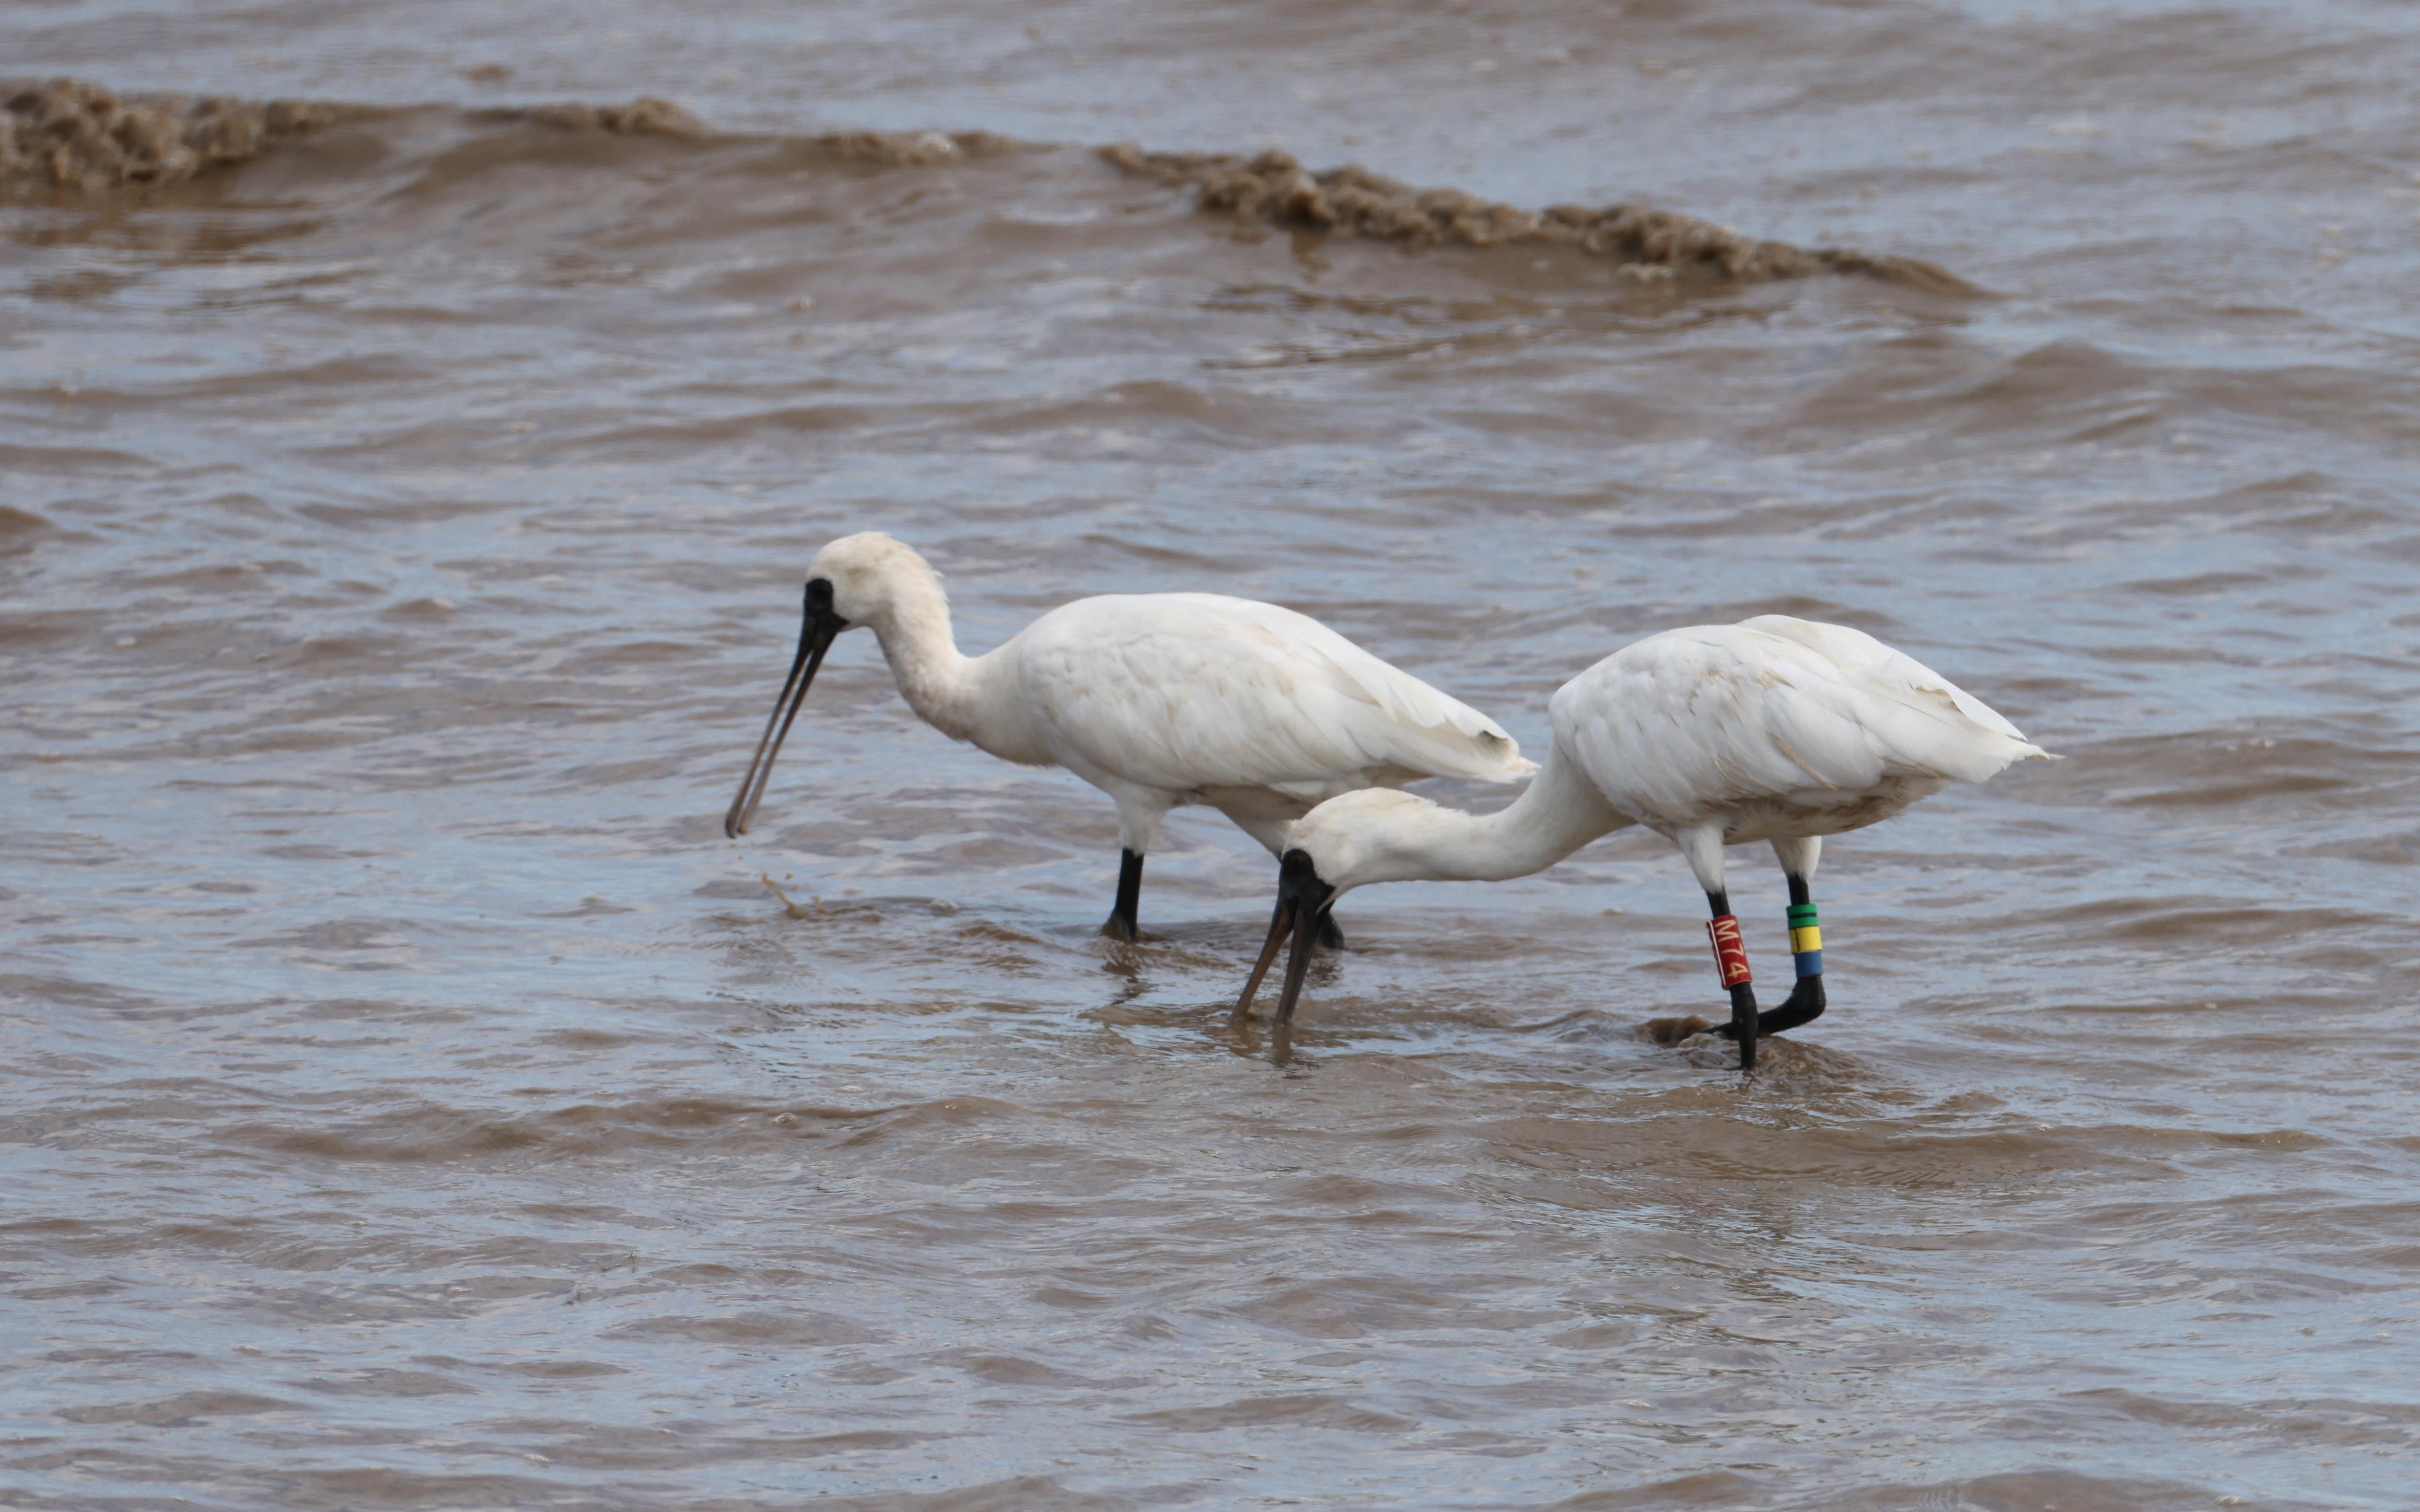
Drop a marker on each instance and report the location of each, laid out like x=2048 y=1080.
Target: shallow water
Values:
x=416 y=1101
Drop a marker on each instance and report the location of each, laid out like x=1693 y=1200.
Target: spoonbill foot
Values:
x=1804 y=1006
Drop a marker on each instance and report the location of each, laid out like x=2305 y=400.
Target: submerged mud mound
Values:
x=68 y=134
x=1355 y=202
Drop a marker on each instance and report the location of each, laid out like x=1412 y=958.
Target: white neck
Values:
x=914 y=628
x=1561 y=811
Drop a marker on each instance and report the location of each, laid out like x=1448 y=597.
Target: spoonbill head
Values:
x=1375 y=835
x=849 y=582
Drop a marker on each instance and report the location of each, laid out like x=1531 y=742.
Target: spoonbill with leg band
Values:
x=1156 y=699
x=1777 y=729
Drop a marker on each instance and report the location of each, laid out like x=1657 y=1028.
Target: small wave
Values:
x=659 y=118
x=644 y=116
x=73 y=135
x=17 y=526
x=1352 y=201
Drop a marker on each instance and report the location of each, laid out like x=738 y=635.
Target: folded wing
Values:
x=1191 y=691
x=1689 y=721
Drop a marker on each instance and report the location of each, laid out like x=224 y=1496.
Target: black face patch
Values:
x=819 y=604
x=1298 y=884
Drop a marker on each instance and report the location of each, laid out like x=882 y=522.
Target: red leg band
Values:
x=1730 y=951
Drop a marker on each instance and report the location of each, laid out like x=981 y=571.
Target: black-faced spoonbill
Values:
x=1777 y=729
x=1156 y=699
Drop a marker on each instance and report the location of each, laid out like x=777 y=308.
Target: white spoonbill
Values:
x=1775 y=729
x=1156 y=699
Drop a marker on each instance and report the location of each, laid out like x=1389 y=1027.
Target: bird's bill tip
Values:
x=816 y=634
x=1306 y=945
x=1301 y=897
x=1306 y=897
x=1280 y=924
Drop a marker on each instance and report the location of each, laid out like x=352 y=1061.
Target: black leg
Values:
x=1122 y=925
x=1805 y=1004
x=1730 y=961
x=1747 y=1023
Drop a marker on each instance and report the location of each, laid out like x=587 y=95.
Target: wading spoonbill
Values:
x=1777 y=729
x=1157 y=700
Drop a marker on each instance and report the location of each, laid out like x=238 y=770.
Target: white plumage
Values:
x=1186 y=693
x=1158 y=699
x=1774 y=729
x=1778 y=728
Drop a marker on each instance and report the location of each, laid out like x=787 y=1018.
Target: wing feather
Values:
x=1689 y=722
x=1182 y=691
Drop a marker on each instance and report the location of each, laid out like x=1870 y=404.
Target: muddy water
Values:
x=413 y=1100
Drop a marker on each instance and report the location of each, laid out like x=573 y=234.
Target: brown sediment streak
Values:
x=650 y=116
x=69 y=134
x=661 y=117
x=914 y=150
x=644 y=116
x=1354 y=202
x=73 y=135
